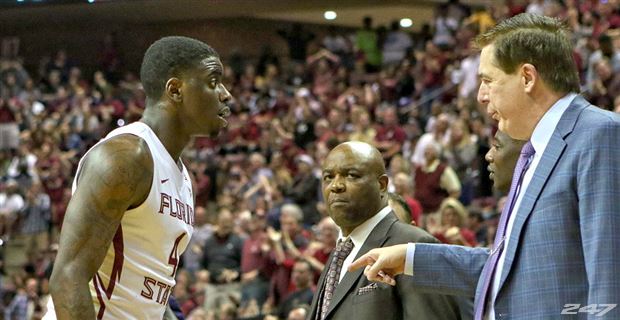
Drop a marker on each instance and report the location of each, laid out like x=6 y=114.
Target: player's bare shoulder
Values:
x=119 y=170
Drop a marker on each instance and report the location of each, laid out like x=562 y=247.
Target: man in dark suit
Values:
x=557 y=244
x=355 y=191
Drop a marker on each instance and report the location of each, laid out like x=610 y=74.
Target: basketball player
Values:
x=132 y=209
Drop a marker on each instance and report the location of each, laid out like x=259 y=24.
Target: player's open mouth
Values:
x=224 y=112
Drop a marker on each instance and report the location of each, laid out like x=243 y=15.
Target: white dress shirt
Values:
x=359 y=236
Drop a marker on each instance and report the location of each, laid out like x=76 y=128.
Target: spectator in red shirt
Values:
x=400 y=207
x=303 y=280
x=435 y=181
x=256 y=266
x=287 y=247
x=318 y=251
x=452 y=229
x=390 y=136
x=403 y=186
x=9 y=131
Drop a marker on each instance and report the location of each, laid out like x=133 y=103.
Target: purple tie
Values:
x=498 y=246
x=343 y=249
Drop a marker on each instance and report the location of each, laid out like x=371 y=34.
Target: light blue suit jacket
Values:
x=565 y=244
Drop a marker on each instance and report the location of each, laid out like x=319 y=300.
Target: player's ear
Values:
x=383 y=183
x=174 y=89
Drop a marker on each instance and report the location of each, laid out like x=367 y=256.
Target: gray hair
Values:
x=292 y=210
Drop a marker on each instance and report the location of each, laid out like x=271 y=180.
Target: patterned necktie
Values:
x=343 y=249
x=523 y=163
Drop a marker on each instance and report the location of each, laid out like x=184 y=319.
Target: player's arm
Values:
x=116 y=176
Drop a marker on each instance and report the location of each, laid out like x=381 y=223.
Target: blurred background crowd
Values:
x=261 y=234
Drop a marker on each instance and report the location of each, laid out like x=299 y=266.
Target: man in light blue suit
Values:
x=557 y=251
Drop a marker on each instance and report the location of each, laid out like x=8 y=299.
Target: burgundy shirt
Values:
x=391 y=133
x=428 y=190
x=253 y=257
x=6 y=115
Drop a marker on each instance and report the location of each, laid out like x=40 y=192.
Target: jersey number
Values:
x=174 y=255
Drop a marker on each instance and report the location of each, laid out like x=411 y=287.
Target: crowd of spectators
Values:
x=261 y=234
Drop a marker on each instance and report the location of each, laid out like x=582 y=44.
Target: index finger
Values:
x=365 y=260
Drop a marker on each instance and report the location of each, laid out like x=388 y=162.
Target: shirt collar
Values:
x=361 y=232
x=545 y=127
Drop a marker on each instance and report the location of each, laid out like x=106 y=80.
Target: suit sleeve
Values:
x=435 y=303
x=448 y=269
x=598 y=190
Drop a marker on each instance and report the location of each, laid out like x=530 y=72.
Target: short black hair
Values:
x=476 y=215
x=397 y=198
x=168 y=57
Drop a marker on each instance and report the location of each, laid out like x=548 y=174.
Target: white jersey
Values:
x=137 y=274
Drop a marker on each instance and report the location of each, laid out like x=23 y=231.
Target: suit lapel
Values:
x=316 y=301
x=376 y=239
x=547 y=163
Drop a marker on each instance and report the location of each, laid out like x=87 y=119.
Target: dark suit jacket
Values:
x=385 y=302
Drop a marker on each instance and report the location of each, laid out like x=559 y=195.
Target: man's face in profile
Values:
x=205 y=97
x=502 y=158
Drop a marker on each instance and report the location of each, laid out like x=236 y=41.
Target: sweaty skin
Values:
x=116 y=176
x=354 y=184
